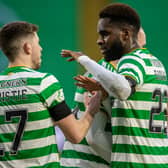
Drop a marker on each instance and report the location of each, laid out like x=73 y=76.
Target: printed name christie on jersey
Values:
x=15 y=95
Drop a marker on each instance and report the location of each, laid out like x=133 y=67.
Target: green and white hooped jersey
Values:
x=82 y=155
x=139 y=124
x=27 y=135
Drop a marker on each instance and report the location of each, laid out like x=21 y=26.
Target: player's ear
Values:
x=125 y=35
x=27 y=48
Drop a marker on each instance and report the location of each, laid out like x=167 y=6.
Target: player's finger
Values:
x=84 y=86
x=80 y=78
x=65 y=54
x=81 y=85
x=66 y=51
x=70 y=59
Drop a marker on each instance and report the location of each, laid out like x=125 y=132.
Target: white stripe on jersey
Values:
x=46 y=82
x=79 y=148
x=19 y=75
x=139 y=123
x=31 y=107
x=32 y=144
x=145 y=56
x=30 y=126
x=24 y=163
x=148 y=87
x=147 y=159
x=133 y=58
x=70 y=162
x=133 y=104
x=124 y=139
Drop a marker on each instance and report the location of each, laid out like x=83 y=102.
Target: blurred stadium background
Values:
x=71 y=24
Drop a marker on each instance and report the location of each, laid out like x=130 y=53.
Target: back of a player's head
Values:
x=121 y=14
x=11 y=35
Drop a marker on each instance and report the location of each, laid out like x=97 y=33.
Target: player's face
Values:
x=109 y=40
x=36 y=52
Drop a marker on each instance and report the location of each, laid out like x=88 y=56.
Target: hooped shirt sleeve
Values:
x=132 y=66
x=52 y=94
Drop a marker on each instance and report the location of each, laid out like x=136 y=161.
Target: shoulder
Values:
x=136 y=55
x=43 y=78
x=139 y=57
x=49 y=79
x=32 y=73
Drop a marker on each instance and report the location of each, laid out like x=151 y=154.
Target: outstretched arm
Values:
x=115 y=84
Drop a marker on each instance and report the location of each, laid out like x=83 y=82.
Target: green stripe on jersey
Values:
x=29 y=135
x=135 y=131
x=121 y=148
x=31 y=153
x=127 y=113
x=84 y=156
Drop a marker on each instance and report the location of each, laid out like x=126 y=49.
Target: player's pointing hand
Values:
x=71 y=55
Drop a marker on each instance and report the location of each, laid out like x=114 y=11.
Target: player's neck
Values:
x=16 y=64
x=21 y=60
x=114 y=63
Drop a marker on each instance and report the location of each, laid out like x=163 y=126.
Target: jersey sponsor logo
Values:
x=13 y=83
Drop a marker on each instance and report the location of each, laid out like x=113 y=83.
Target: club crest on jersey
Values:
x=59 y=95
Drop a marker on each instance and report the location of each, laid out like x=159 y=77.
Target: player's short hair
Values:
x=11 y=33
x=121 y=14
